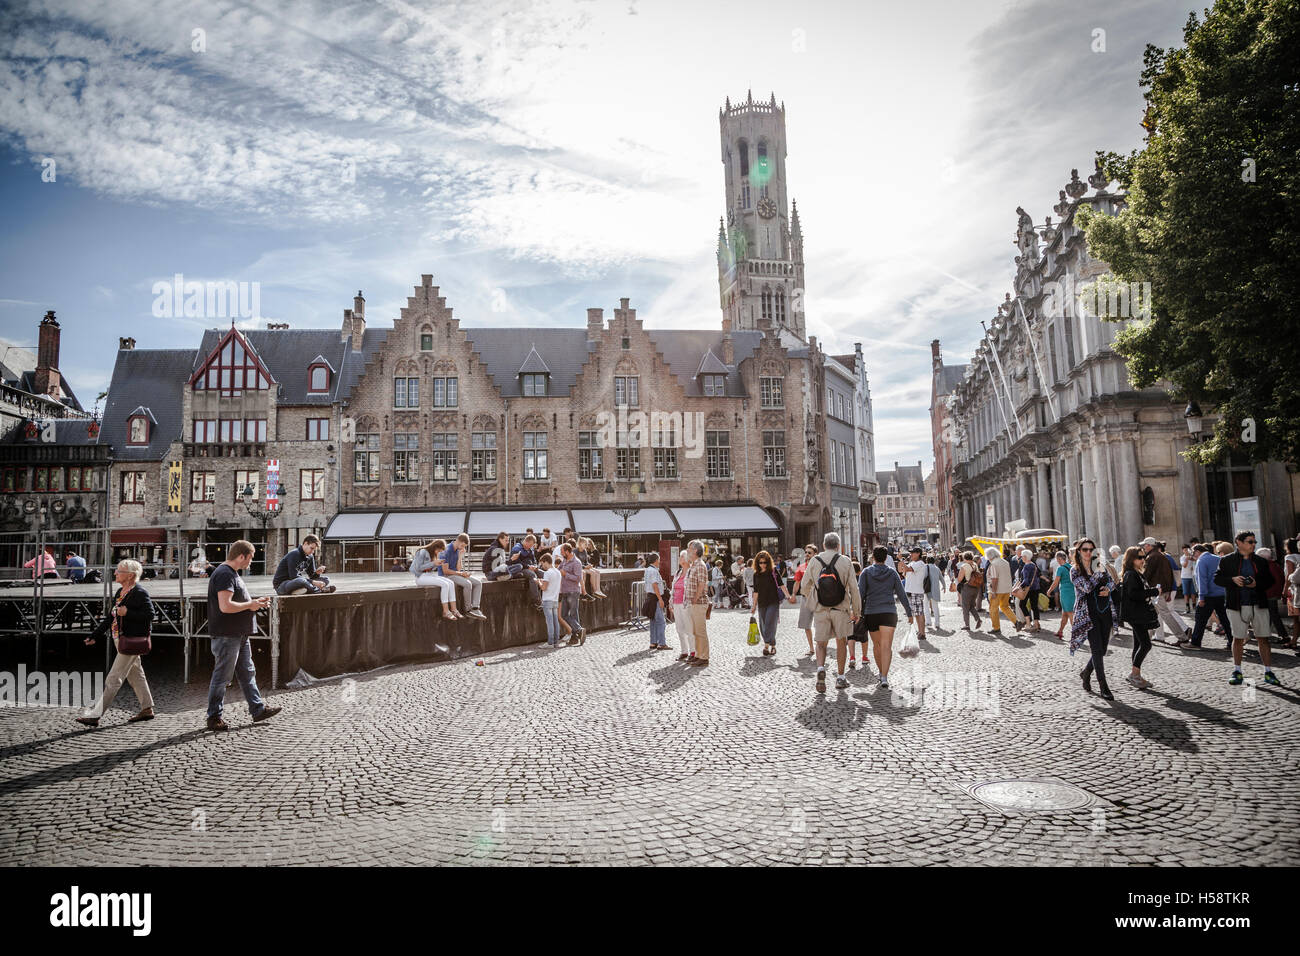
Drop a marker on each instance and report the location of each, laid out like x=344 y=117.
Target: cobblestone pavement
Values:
x=611 y=753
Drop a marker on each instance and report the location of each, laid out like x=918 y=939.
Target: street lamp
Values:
x=256 y=511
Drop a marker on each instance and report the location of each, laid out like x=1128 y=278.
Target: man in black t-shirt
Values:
x=230 y=622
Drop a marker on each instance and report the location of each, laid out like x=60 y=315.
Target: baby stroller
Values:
x=732 y=592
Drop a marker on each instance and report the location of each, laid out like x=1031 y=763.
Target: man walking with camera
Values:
x=1245 y=579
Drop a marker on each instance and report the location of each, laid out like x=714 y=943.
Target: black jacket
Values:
x=137 y=620
x=295 y=564
x=1137 y=607
x=1230 y=567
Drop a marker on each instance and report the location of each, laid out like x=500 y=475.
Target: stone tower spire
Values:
x=761 y=279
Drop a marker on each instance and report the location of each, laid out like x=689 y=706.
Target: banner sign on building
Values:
x=174 y=486
x=990 y=521
x=273 y=484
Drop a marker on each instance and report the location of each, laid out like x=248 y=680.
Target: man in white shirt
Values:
x=914 y=585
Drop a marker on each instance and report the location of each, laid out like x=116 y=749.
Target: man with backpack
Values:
x=835 y=604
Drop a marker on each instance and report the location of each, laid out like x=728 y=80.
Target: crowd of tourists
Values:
x=1228 y=588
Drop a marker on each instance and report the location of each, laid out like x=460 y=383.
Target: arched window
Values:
x=318 y=379
x=780 y=305
x=744 y=158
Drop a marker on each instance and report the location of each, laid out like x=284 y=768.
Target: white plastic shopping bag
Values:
x=906 y=643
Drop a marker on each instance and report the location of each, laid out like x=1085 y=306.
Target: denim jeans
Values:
x=234 y=656
x=769 y=615
x=299 y=583
x=552 y=611
x=658 y=627
x=1203 y=612
x=569 y=610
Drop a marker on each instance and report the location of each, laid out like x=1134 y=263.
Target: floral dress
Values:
x=1081 y=623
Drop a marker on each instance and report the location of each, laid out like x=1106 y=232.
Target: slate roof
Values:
x=950 y=376
x=354 y=363
x=67 y=431
x=155 y=379
x=504 y=352
x=534 y=364
x=684 y=349
x=18 y=370
x=901 y=475
x=287 y=354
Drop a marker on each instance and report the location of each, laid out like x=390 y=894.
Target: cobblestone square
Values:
x=611 y=754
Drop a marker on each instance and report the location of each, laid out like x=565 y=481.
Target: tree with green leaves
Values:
x=1212 y=222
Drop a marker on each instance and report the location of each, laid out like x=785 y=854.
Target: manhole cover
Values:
x=1032 y=796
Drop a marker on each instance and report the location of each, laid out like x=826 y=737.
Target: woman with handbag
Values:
x=653 y=607
x=768 y=595
x=1027 y=591
x=1137 y=611
x=129 y=621
x=970 y=580
x=1092 y=618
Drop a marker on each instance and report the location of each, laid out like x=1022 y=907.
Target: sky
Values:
x=542 y=157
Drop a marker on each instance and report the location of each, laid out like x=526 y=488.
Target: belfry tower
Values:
x=760 y=243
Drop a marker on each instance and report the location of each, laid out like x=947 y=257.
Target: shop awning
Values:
x=137 y=536
x=604 y=521
x=486 y=524
x=724 y=518
x=424 y=525
x=360 y=524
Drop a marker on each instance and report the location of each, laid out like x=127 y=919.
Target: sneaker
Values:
x=853 y=665
x=88 y=721
x=884 y=680
x=1271 y=678
x=821 y=682
x=475 y=612
x=582 y=637
x=266 y=713
x=841 y=682
x=1236 y=678
x=1135 y=681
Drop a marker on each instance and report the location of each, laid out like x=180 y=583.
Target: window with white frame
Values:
x=666 y=463
x=717 y=448
x=626 y=390
x=205 y=430
x=445 y=457
x=483 y=456
x=406 y=457
x=534 y=385
x=406 y=392
x=203 y=486
x=365 y=459
x=311 y=484
x=445 y=392
x=774 y=454
x=770 y=392
x=247 y=479
x=535 y=462
x=591 y=462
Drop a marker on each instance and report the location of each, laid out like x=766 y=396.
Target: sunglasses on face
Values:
x=1086 y=550
x=1250 y=541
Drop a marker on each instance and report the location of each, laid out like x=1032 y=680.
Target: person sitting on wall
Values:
x=496 y=558
x=48 y=567
x=523 y=564
x=398 y=565
x=297 y=571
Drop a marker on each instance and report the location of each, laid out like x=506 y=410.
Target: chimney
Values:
x=595 y=323
x=46 y=380
x=347 y=325
x=935 y=361
x=358 y=321
x=126 y=344
x=624 y=312
x=728 y=349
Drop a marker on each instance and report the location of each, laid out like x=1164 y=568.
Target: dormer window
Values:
x=714 y=384
x=138 y=430
x=534 y=375
x=712 y=375
x=139 y=426
x=318 y=378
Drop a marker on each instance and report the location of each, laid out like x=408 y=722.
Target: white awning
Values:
x=724 y=518
x=604 y=521
x=486 y=524
x=424 y=525
x=360 y=524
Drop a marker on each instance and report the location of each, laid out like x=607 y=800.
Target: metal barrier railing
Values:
x=37 y=599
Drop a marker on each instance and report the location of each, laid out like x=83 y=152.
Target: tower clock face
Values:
x=766 y=208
